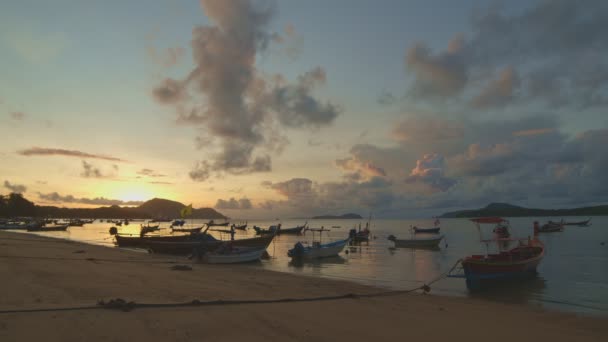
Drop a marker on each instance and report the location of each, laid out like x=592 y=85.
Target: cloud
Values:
x=425 y=130
x=18 y=116
x=17 y=188
x=233 y=204
x=443 y=74
x=89 y=171
x=430 y=171
x=498 y=92
x=35 y=47
x=165 y=57
x=55 y=197
x=358 y=169
x=169 y=92
x=295 y=105
x=295 y=188
x=237 y=110
x=386 y=98
x=537 y=131
x=150 y=173
x=42 y=151
x=558 y=47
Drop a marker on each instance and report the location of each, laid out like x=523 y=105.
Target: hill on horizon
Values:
x=16 y=205
x=510 y=210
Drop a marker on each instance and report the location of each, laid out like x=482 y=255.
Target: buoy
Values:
x=113 y=231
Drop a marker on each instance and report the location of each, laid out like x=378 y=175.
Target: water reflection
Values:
x=513 y=291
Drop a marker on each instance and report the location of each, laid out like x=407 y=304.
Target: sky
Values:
x=265 y=109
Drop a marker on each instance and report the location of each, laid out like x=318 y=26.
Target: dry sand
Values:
x=37 y=272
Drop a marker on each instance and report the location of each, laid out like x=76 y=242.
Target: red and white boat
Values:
x=518 y=262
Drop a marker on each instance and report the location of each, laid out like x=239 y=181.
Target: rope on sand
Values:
x=126 y=306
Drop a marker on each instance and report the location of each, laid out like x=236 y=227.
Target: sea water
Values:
x=573 y=276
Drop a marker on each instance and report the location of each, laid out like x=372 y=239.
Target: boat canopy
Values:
x=488 y=220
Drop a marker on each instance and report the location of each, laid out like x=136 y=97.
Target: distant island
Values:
x=15 y=205
x=349 y=216
x=509 y=210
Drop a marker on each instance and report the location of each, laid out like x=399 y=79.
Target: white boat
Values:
x=428 y=242
x=234 y=255
x=317 y=250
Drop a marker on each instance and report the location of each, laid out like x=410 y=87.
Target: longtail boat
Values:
x=434 y=230
x=317 y=249
x=580 y=223
x=187 y=230
x=55 y=228
x=185 y=244
x=518 y=262
x=223 y=224
x=426 y=242
x=551 y=227
x=240 y=227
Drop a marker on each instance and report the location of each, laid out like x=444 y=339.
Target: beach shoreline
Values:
x=47 y=273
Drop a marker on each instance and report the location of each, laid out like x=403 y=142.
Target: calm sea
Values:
x=573 y=276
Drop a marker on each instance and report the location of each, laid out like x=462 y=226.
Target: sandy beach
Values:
x=39 y=273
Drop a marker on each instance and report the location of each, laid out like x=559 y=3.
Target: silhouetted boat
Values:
x=187 y=230
x=434 y=230
x=551 y=227
x=278 y=230
x=580 y=223
x=55 y=228
x=214 y=224
x=419 y=242
x=240 y=227
x=185 y=244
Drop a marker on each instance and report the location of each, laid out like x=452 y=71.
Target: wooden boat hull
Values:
x=321 y=251
x=49 y=229
x=427 y=230
x=417 y=243
x=481 y=270
x=185 y=244
x=550 y=228
x=235 y=256
x=279 y=231
x=187 y=230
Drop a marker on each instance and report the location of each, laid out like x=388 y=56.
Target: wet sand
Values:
x=37 y=272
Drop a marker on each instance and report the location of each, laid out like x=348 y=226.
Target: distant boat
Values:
x=580 y=223
x=551 y=227
x=434 y=230
x=148 y=229
x=55 y=228
x=279 y=230
x=240 y=227
x=223 y=224
x=428 y=242
x=187 y=230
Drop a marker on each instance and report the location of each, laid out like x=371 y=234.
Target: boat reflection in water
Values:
x=513 y=291
x=317 y=263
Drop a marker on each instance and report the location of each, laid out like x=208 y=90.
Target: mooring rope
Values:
x=126 y=306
